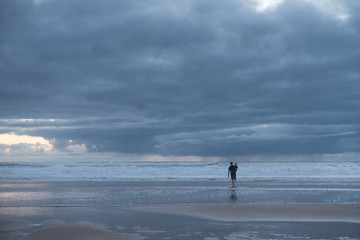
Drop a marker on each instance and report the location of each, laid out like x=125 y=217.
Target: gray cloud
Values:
x=190 y=78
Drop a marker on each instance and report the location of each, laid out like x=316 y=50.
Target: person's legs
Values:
x=233 y=180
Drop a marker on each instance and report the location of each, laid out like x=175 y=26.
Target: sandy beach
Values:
x=161 y=210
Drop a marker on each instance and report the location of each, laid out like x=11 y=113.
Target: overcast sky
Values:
x=189 y=79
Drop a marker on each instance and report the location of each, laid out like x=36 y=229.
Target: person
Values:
x=232 y=171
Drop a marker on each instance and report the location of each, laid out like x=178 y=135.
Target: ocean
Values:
x=180 y=200
x=161 y=171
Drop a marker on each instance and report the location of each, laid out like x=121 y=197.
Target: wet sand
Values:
x=178 y=210
x=77 y=232
x=265 y=212
x=208 y=222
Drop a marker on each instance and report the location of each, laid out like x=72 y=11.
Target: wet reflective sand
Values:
x=208 y=210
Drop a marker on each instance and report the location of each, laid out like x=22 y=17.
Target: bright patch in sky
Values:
x=36 y=143
x=332 y=7
x=263 y=5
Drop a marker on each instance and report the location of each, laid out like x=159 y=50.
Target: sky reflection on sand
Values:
x=8 y=196
x=181 y=222
x=25 y=211
x=21 y=184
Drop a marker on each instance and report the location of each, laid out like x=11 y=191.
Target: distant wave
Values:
x=177 y=170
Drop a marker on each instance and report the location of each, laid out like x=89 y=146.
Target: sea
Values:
x=167 y=171
x=40 y=195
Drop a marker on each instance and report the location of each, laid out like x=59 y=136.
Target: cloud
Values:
x=24 y=143
x=333 y=7
x=263 y=5
x=265 y=139
x=77 y=148
x=199 y=78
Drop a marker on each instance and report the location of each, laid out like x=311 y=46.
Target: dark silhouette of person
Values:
x=232 y=171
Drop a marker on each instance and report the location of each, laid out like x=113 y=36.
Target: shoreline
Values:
x=308 y=212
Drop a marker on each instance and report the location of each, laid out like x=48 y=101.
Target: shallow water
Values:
x=122 y=193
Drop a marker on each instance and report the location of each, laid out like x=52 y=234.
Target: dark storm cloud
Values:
x=203 y=78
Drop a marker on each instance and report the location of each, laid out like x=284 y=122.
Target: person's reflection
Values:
x=233 y=196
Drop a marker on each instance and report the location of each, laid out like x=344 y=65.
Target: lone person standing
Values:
x=232 y=169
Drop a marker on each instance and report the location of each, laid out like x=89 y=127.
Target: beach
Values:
x=208 y=210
